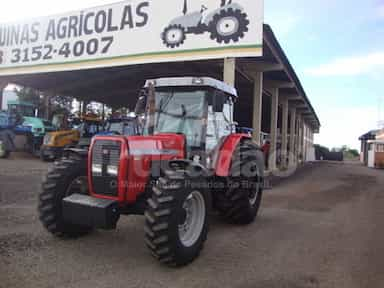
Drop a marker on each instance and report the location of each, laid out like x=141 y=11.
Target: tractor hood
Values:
x=187 y=21
x=116 y=158
x=233 y=6
x=162 y=144
x=61 y=138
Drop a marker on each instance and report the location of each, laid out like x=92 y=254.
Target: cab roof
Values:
x=193 y=81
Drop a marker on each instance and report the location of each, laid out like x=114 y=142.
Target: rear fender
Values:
x=234 y=6
x=223 y=156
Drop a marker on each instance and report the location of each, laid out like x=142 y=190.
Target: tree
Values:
x=57 y=104
x=348 y=152
x=61 y=104
x=28 y=95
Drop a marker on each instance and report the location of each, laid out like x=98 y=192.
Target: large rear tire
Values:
x=229 y=25
x=239 y=202
x=177 y=218
x=68 y=176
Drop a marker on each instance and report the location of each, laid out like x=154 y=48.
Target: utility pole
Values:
x=185 y=8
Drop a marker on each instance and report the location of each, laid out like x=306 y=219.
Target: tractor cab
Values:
x=199 y=108
x=24 y=109
x=89 y=126
x=29 y=129
x=121 y=125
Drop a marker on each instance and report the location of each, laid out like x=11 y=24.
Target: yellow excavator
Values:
x=83 y=129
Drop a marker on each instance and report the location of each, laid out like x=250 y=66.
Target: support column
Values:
x=84 y=108
x=292 y=136
x=299 y=143
x=47 y=106
x=3 y=84
x=284 y=133
x=274 y=116
x=297 y=138
x=302 y=127
x=305 y=142
x=229 y=71
x=257 y=106
x=103 y=111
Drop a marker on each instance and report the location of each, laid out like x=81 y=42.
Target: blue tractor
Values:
x=7 y=135
x=21 y=130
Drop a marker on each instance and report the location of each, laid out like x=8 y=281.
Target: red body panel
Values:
x=224 y=158
x=143 y=151
x=138 y=153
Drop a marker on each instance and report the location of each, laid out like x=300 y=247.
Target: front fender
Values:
x=234 y=6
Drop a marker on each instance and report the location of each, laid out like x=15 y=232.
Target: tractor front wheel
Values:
x=177 y=218
x=68 y=176
x=173 y=36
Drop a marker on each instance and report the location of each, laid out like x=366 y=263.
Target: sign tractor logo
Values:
x=225 y=24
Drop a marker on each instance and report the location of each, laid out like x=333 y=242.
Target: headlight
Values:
x=97 y=168
x=112 y=170
x=197 y=81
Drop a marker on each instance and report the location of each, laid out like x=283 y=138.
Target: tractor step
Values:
x=90 y=211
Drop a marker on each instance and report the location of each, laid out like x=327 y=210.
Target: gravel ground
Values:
x=320 y=228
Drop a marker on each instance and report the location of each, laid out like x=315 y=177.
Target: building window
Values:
x=380 y=148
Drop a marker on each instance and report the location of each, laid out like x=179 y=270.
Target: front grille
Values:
x=105 y=154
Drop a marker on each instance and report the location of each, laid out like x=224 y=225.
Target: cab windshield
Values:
x=123 y=128
x=181 y=111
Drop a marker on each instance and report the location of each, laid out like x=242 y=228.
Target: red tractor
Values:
x=188 y=161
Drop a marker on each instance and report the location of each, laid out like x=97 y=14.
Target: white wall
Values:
x=7 y=95
x=371 y=158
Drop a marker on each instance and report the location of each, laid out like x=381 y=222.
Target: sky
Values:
x=335 y=47
x=337 y=50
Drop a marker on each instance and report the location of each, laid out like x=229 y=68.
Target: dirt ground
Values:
x=321 y=228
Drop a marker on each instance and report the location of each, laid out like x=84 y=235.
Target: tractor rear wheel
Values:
x=177 y=218
x=240 y=200
x=68 y=176
x=229 y=25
